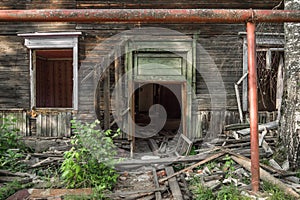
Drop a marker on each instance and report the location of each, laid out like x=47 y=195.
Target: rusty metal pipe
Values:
x=150 y=15
x=253 y=106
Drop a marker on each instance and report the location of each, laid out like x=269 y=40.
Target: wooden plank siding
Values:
x=53 y=124
x=14 y=73
x=220 y=41
x=21 y=124
x=46 y=124
x=30 y=27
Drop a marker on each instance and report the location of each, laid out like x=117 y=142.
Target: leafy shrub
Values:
x=9 y=189
x=9 y=135
x=11 y=145
x=89 y=163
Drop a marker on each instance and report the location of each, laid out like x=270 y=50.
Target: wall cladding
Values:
x=14 y=73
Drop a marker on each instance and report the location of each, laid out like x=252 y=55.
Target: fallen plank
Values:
x=5 y=179
x=186 y=187
x=175 y=189
x=153 y=146
x=51 y=193
x=9 y=173
x=273 y=170
x=236 y=126
x=212 y=157
x=193 y=158
x=47 y=161
x=268 y=126
x=46 y=155
x=155 y=179
x=134 y=194
x=266 y=176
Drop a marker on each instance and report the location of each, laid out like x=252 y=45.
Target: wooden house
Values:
x=52 y=72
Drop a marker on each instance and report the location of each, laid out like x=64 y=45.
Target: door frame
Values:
x=184 y=106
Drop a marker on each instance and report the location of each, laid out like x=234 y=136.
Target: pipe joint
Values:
x=252 y=18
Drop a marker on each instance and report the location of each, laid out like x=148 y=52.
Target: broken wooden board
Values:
x=268 y=126
x=175 y=189
x=155 y=179
x=210 y=158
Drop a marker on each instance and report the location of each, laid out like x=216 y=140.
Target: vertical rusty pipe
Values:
x=253 y=108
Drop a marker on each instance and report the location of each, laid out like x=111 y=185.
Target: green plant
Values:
x=204 y=193
x=228 y=165
x=201 y=192
x=9 y=134
x=193 y=151
x=275 y=192
x=9 y=189
x=11 y=146
x=211 y=165
x=89 y=163
x=230 y=192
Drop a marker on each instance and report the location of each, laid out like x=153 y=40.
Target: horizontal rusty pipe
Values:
x=150 y=15
x=253 y=107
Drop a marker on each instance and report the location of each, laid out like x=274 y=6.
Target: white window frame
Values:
x=271 y=39
x=60 y=40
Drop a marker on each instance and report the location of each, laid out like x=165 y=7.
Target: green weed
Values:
x=9 y=189
x=11 y=146
x=275 y=192
x=89 y=163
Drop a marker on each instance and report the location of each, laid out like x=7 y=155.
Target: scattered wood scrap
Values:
x=193 y=166
x=266 y=176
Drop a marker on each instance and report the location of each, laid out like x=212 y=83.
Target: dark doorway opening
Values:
x=167 y=95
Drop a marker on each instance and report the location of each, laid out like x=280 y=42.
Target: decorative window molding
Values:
x=57 y=40
x=264 y=42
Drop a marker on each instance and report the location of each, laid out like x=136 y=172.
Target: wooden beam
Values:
x=106 y=96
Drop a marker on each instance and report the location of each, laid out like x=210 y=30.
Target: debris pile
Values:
x=172 y=169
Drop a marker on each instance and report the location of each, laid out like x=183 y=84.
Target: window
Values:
x=54 y=78
x=269 y=62
x=53 y=69
x=270 y=59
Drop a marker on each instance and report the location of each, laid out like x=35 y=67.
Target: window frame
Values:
x=271 y=39
x=60 y=40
